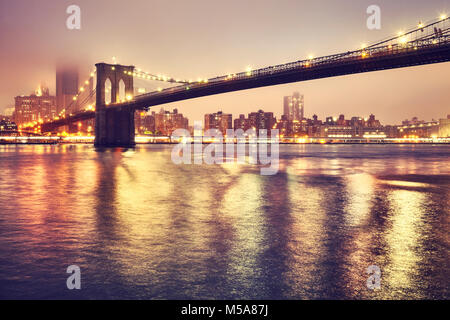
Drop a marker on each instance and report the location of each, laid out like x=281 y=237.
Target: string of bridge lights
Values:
x=401 y=36
x=62 y=114
x=148 y=76
x=81 y=90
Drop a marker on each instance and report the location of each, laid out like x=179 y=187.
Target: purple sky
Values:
x=205 y=38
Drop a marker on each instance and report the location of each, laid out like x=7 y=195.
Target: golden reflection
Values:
x=403 y=239
x=141 y=209
x=359 y=209
x=408 y=184
x=308 y=231
x=242 y=203
x=360 y=188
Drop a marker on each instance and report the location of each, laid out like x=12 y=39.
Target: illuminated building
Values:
x=284 y=126
x=262 y=120
x=357 y=122
x=241 y=123
x=341 y=121
x=221 y=121
x=7 y=125
x=444 y=127
x=144 y=123
x=372 y=122
x=419 y=130
x=293 y=107
x=38 y=106
x=339 y=132
x=413 y=121
x=166 y=122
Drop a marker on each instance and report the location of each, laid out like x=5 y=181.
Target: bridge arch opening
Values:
x=122 y=94
x=108 y=91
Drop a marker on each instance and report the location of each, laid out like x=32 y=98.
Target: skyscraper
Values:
x=66 y=87
x=293 y=107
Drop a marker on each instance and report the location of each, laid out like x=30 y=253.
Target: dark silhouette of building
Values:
x=7 y=125
x=242 y=123
x=167 y=122
x=221 y=121
x=262 y=120
x=372 y=122
x=144 y=123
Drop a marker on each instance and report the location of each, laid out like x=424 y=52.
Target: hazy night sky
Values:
x=206 y=38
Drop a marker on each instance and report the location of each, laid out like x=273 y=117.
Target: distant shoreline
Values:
x=246 y=143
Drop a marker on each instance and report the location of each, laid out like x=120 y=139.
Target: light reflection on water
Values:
x=140 y=226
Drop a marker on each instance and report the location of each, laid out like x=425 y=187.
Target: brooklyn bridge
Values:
x=114 y=117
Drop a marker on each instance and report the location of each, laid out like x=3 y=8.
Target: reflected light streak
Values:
x=403 y=240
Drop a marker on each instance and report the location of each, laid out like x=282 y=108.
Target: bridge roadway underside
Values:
x=54 y=125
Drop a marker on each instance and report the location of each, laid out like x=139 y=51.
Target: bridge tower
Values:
x=114 y=127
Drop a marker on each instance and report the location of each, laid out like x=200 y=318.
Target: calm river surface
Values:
x=140 y=226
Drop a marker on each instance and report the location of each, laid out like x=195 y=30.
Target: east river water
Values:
x=140 y=226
